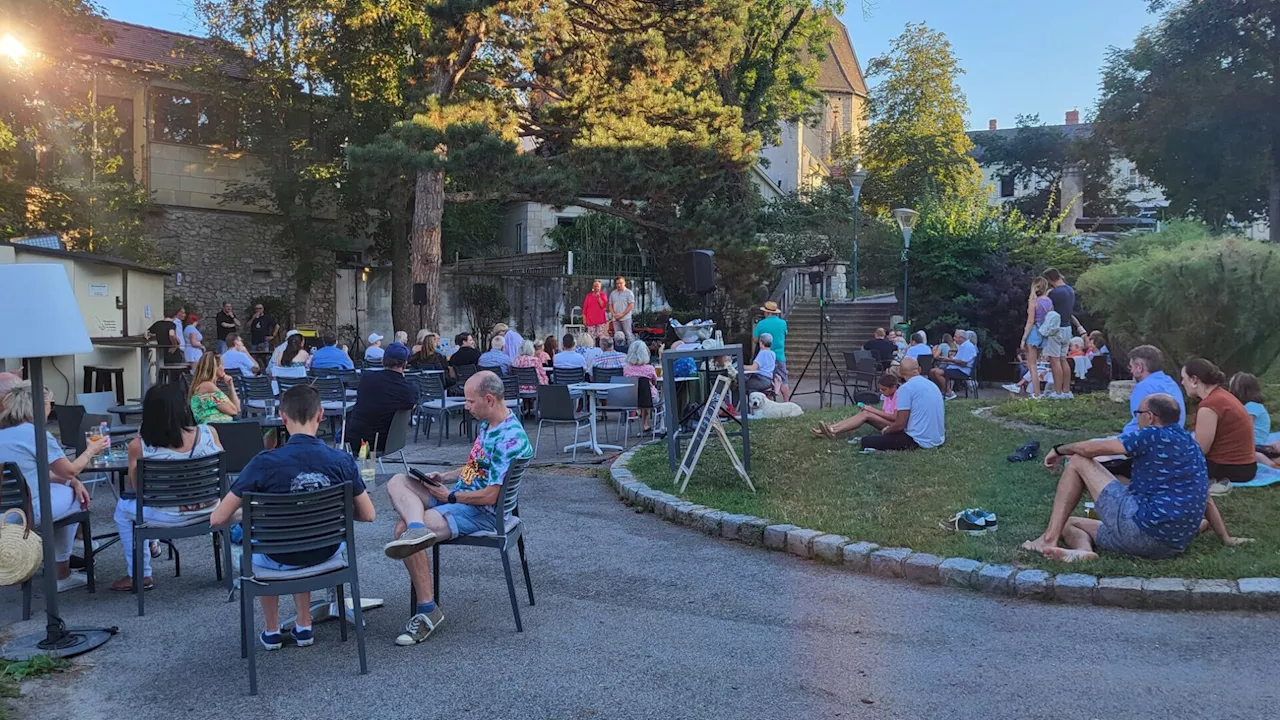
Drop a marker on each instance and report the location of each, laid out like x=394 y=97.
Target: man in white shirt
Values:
x=765 y=363
x=958 y=367
x=373 y=353
x=920 y=421
x=237 y=357
x=621 y=302
x=569 y=358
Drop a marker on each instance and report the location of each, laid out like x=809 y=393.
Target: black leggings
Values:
x=889 y=441
x=1234 y=473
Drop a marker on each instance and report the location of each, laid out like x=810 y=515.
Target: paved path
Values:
x=637 y=618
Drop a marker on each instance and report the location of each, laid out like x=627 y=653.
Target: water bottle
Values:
x=104 y=431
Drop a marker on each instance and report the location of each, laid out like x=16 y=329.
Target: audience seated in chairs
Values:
x=958 y=367
x=378 y=398
x=168 y=432
x=497 y=359
x=66 y=493
x=609 y=356
x=460 y=502
x=303 y=463
x=882 y=348
x=878 y=418
x=764 y=365
x=1155 y=514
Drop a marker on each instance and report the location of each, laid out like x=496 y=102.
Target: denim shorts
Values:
x=1120 y=533
x=1034 y=338
x=267 y=563
x=466 y=519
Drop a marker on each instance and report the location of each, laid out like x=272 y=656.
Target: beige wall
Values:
x=194 y=176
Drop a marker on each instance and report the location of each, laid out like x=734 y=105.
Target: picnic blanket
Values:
x=1266 y=475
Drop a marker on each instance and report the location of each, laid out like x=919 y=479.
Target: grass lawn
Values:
x=1093 y=413
x=897 y=499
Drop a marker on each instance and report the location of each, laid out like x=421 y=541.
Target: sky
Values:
x=1020 y=57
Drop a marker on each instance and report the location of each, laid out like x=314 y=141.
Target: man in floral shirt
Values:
x=434 y=511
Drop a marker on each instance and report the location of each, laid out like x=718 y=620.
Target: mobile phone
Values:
x=424 y=477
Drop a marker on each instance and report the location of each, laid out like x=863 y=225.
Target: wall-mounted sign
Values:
x=146 y=311
x=97 y=289
x=177 y=279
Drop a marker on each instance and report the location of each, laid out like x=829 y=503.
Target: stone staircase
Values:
x=849 y=325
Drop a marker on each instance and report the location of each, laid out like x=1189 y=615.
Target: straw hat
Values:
x=21 y=551
x=771 y=308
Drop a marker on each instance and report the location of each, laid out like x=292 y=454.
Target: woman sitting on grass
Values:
x=878 y=418
x=1247 y=390
x=1223 y=429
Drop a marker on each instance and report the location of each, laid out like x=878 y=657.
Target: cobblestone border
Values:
x=926 y=569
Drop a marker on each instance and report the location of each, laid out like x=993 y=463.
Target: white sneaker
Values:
x=1051 y=396
x=1220 y=488
x=1012 y=388
x=949 y=396
x=1067 y=396
x=72 y=581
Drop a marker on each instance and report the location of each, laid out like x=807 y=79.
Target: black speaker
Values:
x=419 y=293
x=700 y=271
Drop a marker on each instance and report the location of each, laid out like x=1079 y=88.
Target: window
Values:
x=190 y=119
x=520 y=246
x=565 y=221
x=1006 y=186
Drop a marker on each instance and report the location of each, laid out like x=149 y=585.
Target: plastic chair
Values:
x=259 y=394
x=98 y=403
x=171 y=483
x=433 y=404
x=605 y=374
x=70 y=423
x=569 y=376
x=241 y=442
x=299 y=522
x=557 y=407
x=16 y=494
x=512 y=528
x=397 y=438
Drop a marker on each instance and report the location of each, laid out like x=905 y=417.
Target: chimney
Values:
x=1073 y=117
x=992 y=124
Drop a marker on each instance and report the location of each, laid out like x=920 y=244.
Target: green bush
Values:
x=1190 y=296
x=487 y=305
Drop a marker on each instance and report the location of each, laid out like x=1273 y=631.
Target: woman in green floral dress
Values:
x=209 y=403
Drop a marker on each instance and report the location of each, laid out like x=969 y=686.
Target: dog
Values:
x=763 y=407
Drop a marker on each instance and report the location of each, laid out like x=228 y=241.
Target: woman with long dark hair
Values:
x=168 y=432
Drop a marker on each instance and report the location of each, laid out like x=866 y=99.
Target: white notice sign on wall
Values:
x=97 y=290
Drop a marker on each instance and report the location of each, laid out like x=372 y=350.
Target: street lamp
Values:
x=856 y=178
x=906 y=221
x=10 y=46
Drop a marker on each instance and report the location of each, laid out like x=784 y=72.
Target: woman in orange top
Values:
x=1224 y=429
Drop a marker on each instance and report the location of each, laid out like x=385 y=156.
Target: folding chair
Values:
x=511 y=528
x=172 y=483
x=15 y=494
x=298 y=522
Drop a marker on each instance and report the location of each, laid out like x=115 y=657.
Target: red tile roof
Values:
x=149 y=46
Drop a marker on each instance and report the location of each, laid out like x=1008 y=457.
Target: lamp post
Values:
x=44 y=321
x=856 y=178
x=906 y=221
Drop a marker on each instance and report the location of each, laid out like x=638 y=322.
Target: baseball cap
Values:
x=396 y=354
x=374 y=337
x=291 y=333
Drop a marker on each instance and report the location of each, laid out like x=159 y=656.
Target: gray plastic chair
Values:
x=258 y=394
x=434 y=405
x=397 y=438
x=241 y=442
x=507 y=507
x=171 y=483
x=557 y=407
x=16 y=494
x=276 y=523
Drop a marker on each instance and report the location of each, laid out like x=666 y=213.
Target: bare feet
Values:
x=823 y=431
x=1038 y=545
x=1068 y=556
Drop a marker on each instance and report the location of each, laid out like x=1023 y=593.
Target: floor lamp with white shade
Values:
x=42 y=320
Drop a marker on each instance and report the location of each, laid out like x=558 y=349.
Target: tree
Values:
x=1037 y=155
x=915 y=146
x=1193 y=104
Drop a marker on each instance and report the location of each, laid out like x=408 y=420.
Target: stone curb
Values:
x=926 y=569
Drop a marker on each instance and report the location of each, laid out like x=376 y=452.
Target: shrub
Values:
x=487 y=305
x=1206 y=297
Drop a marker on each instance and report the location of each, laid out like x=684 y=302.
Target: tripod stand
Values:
x=820 y=351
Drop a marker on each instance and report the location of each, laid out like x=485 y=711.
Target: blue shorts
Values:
x=1034 y=338
x=267 y=563
x=1119 y=531
x=466 y=519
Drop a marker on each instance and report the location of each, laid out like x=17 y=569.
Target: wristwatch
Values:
x=453 y=497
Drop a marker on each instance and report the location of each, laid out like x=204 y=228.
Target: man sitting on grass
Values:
x=1155 y=515
x=919 y=420
x=434 y=511
x=304 y=463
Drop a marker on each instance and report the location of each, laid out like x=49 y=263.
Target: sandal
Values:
x=125 y=584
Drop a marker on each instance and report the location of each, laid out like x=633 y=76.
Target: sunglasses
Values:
x=1136 y=413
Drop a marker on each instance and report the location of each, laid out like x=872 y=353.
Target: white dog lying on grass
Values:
x=763 y=407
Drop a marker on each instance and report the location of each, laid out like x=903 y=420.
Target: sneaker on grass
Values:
x=410 y=541
x=420 y=627
x=1012 y=388
x=949 y=396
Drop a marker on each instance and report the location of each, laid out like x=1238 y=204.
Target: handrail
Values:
x=790 y=286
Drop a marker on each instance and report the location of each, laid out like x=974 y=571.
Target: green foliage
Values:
x=1172 y=235
x=1092 y=413
x=916 y=147
x=470 y=230
x=35 y=667
x=487 y=305
x=1205 y=298
x=1192 y=104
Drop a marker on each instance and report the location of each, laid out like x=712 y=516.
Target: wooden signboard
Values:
x=709 y=421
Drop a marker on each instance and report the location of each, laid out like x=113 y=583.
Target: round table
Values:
x=124 y=411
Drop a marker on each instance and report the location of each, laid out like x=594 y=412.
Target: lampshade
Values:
x=857 y=177
x=41 y=316
x=906 y=218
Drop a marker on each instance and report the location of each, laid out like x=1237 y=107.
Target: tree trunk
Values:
x=403 y=313
x=424 y=241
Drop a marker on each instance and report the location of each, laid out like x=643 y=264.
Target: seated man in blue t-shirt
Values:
x=1155 y=516
x=302 y=464
x=331 y=357
x=959 y=367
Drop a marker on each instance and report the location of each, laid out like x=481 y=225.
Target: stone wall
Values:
x=227 y=256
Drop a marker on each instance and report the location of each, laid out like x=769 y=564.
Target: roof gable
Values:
x=150 y=46
x=840 y=71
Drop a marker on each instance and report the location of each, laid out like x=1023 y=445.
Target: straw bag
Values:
x=21 y=551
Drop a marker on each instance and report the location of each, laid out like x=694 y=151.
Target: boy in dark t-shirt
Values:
x=304 y=463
